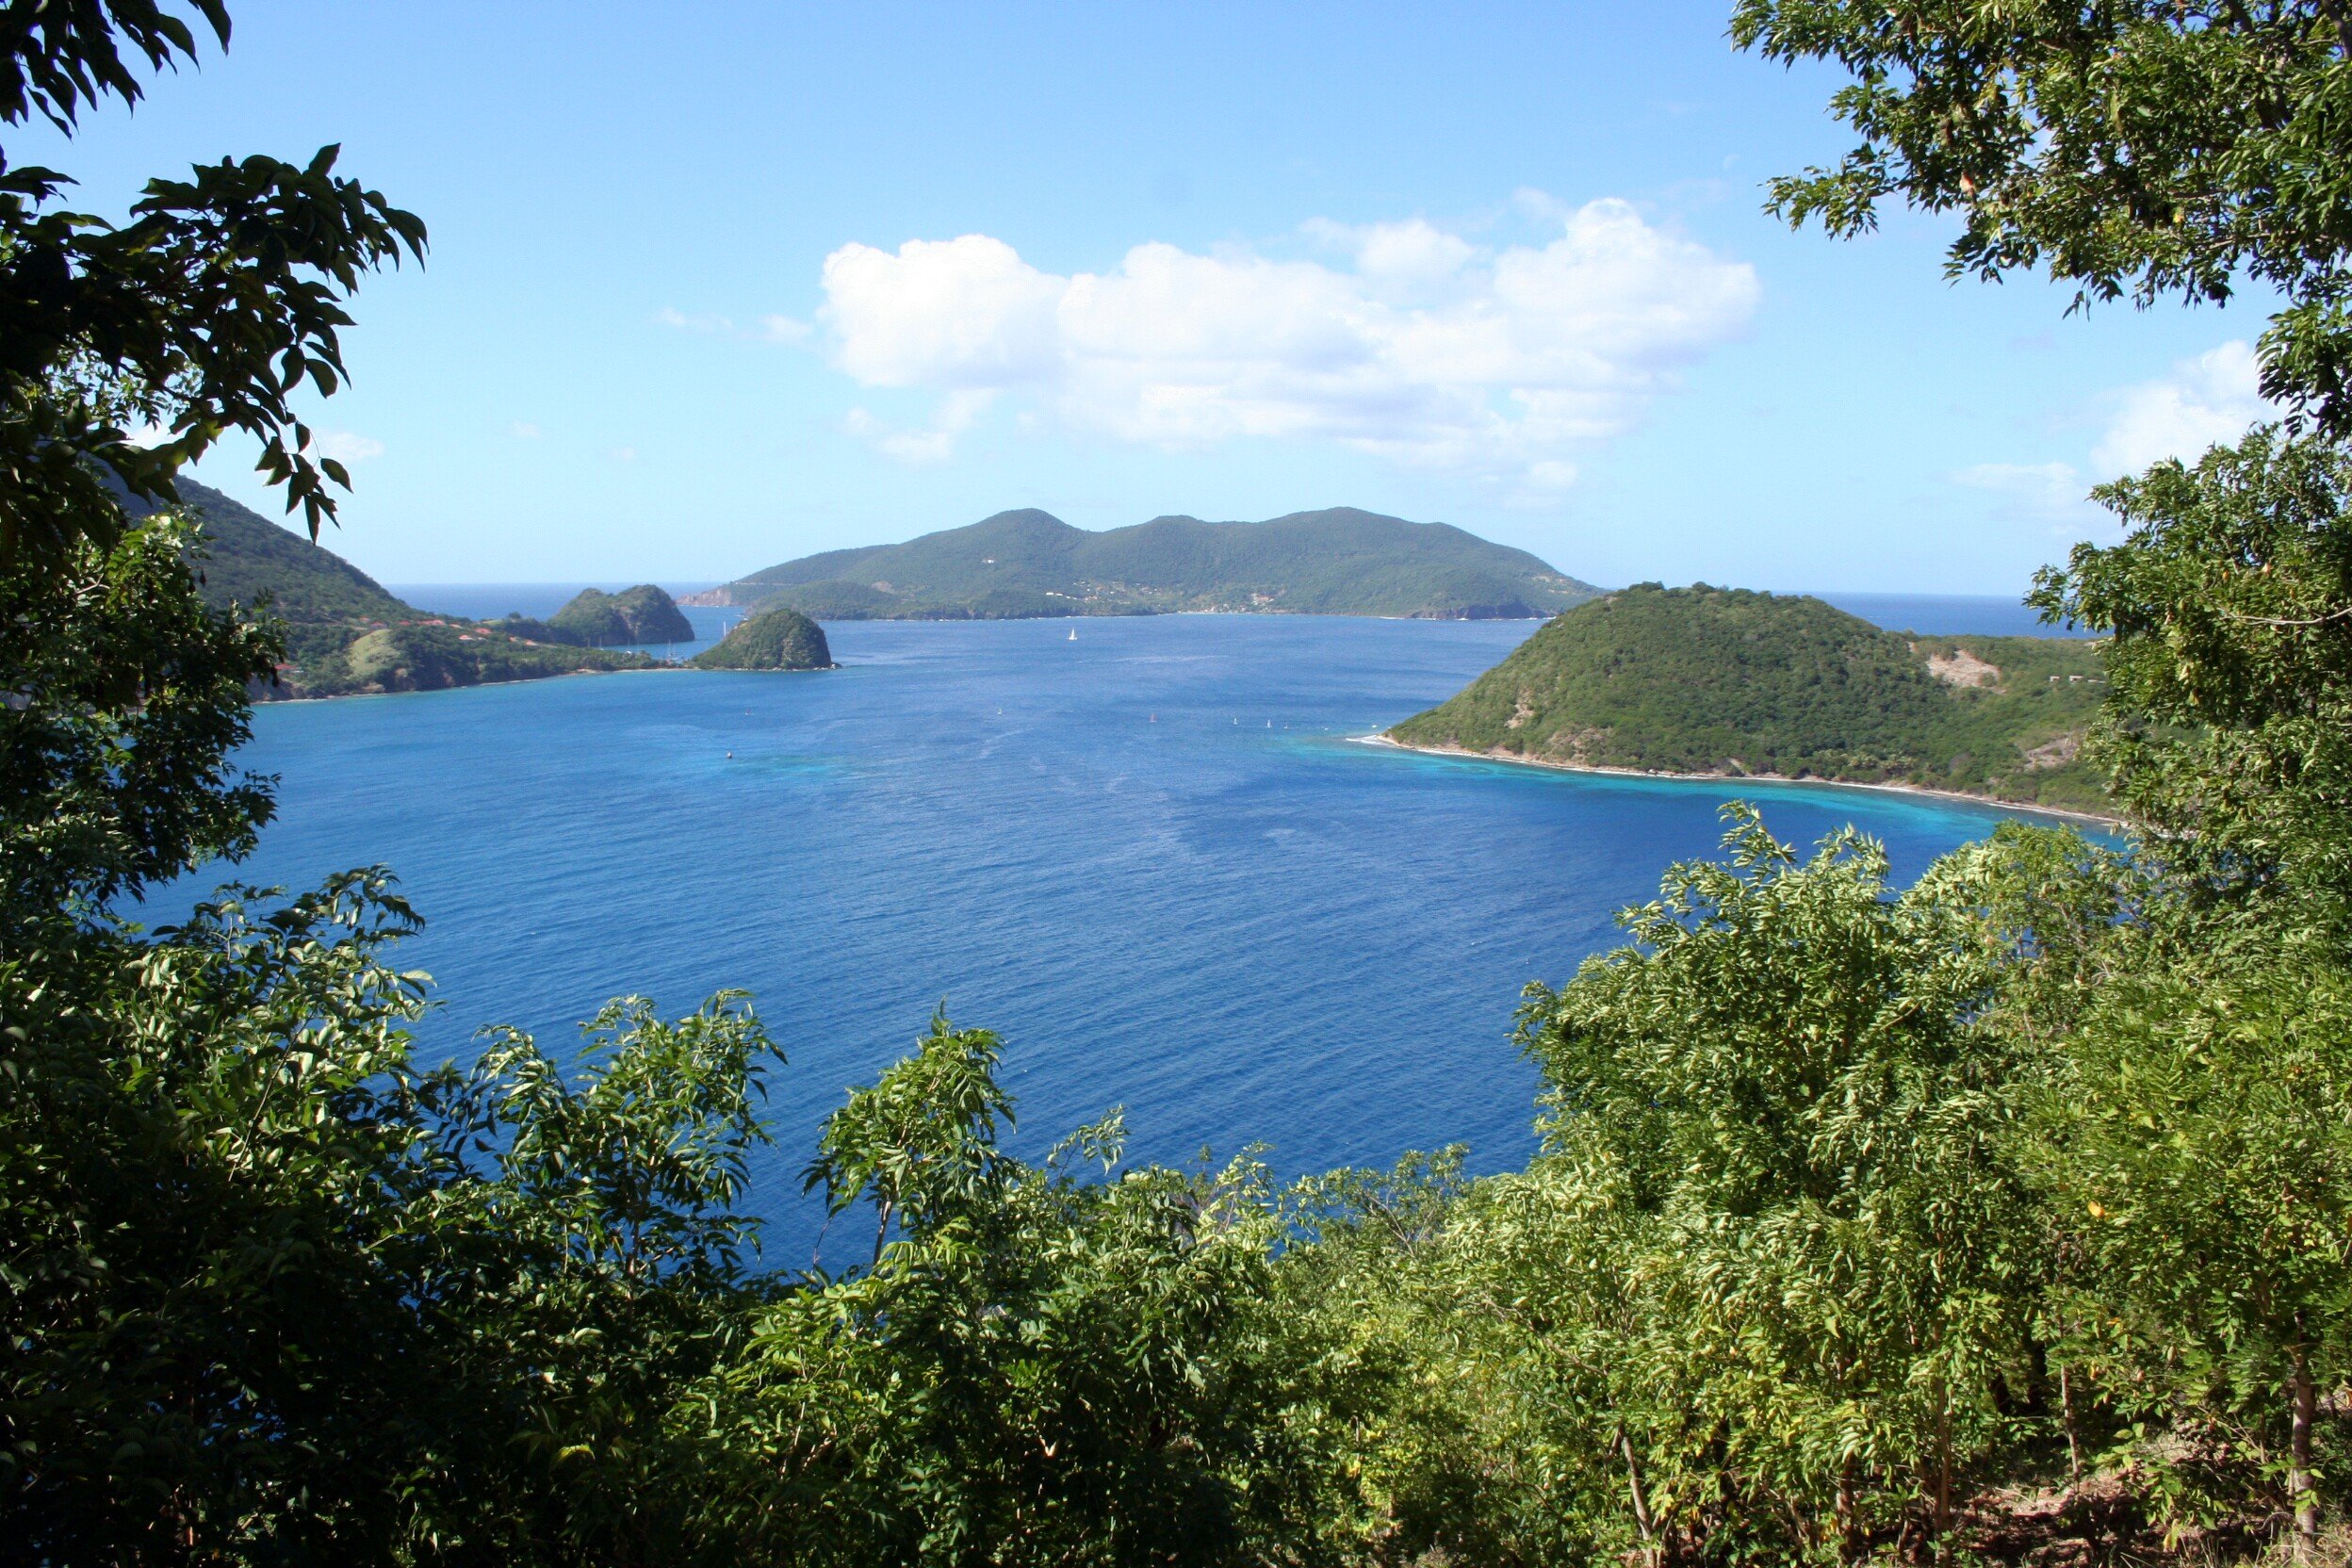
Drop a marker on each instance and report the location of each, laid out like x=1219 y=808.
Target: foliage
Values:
x=1037 y=1368
x=1780 y=1085
x=1726 y=680
x=2198 y=1149
x=127 y=697
x=273 y=1295
x=2151 y=149
x=204 y=314
x=1020 y=565
x=778 y=639
x=2230 y=600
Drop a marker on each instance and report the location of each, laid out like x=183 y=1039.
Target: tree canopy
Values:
x=131 y=348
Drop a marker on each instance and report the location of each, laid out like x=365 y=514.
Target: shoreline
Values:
x=680 y=667
x=469 y=686
x=2111 y=824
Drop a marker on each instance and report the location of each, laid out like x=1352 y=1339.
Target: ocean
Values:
x=1154 y=858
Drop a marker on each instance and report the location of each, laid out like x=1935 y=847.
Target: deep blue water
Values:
x=1151 y=858
x=1950 y=614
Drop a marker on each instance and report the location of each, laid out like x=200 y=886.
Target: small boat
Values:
x=1073 y=634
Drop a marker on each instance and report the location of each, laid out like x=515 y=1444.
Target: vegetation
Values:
x=1020 y=565
x=202 y=315
x=2004 y=1218
x=1723 y=681
x=343 y=632
x=778 y=639
x=433 y=655
x=321 y=599
x=640 y=615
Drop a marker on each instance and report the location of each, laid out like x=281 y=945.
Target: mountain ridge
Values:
x=1029 y=563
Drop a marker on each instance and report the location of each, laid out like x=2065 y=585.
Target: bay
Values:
x=1157 y=858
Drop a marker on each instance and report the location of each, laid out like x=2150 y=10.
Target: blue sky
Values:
x=712 y=286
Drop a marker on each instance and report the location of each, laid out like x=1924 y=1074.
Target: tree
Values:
x=128 y=698
x=2228 y=721
x=2147 y=149
x=2158 y=150
x=1778 y=1109
x=2200 y=1145
x=1034 y=1368
x=205 y=313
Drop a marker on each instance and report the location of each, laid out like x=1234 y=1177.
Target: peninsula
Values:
x=345 y=633
x=1729 y=682
x=1020 y=565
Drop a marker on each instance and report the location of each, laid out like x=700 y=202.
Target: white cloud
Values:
x=768 y=329
x=2211 y=398
x=937 y=444
x=344 y=447
x=1427 y=349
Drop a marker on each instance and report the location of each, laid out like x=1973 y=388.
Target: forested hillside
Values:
x=1726 y=680
x=1029 y=564
x=345 y=634
x=320 y=596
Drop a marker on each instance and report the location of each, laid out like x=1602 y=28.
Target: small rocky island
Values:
x=638 y=616
x=779 y=639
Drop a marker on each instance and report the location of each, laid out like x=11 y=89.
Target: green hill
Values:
x=640 y=615
x=1715 y=680
x=320 y=596
x=1020 y=565
x=778 y=639
x=344 y=632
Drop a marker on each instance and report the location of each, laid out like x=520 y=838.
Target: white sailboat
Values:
x=1073 y=634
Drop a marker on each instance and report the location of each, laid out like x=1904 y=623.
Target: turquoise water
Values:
x=1151 y=858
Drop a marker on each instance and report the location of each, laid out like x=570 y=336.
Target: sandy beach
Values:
x=2111 y=824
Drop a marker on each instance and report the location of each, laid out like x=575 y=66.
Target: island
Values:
x=1726 y=682
x=641 y=616
x=778 y=639
x=1026 y=563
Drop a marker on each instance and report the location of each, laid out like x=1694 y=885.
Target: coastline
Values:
x=469 y=686
x=682 y=667
x=2111 y=824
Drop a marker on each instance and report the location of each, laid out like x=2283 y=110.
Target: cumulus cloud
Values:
x=1425 y=348
x=2211 y=398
